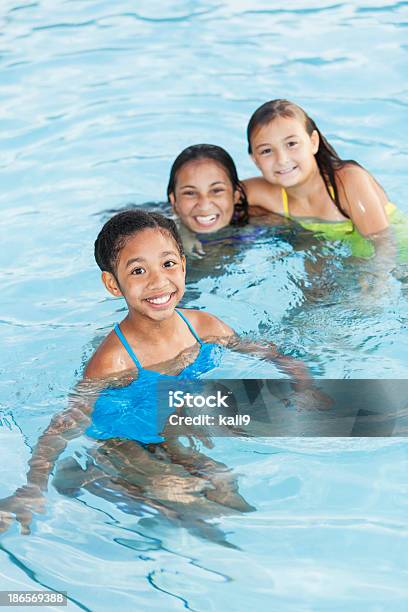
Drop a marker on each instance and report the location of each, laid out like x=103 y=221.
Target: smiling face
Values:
x=284 y=152
x=204 y=197
x=150 y=274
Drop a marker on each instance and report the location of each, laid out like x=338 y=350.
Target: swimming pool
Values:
x=97 y=99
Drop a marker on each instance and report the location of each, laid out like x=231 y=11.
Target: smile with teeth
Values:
x=286 y=170
x=206 y=219
x=160 y=300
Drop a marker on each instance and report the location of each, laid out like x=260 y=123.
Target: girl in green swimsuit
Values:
x=304 y=179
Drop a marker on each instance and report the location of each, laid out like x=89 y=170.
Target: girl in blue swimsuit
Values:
x=142 y=259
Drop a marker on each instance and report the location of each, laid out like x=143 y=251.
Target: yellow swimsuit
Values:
x=346 y=232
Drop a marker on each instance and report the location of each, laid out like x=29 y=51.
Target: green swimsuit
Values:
x=346 y=232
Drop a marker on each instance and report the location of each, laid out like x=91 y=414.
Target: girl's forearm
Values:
x=294 y=368
x=42 y=462
x=385 y=252
x=63 y=427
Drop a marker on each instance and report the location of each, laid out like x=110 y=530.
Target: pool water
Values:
x=97 y=100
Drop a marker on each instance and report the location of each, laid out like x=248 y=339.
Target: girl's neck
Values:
x=145 y=329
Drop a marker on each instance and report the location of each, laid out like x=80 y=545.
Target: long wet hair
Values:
x=220 y=156
x=328 y=161
x=116 y=232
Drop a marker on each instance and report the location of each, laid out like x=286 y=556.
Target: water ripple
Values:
x=185 y=17
x=24 y=7
x=381 y=9
x=66 y=25
x=135 y=16
x=300 y=11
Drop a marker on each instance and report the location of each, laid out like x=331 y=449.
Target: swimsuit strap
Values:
x=285 y=202
x=127 y=346
x=190 y=327
x=131 y=351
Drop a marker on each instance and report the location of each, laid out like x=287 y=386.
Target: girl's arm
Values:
x=306 y=394
x=302 y=382
x=219 y=332
x=365 y=202
x=263 y=197
x=294 y=368
x=363 y=199
x=63 y=427
x=192 y=245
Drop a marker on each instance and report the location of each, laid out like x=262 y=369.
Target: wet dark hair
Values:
x=326 y=157
x=220 y=156
x=116 y=232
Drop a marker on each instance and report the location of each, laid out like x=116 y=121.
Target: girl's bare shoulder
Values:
x=355 y=176
x=263 y=195
x=363 y=198
x=207 y=325
x=109 y=358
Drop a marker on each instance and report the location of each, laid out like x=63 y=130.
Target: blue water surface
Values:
x=97 y=100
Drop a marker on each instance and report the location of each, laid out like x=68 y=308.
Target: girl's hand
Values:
x=310 y=399
x=378 y=289
x=22 y=504
x=192 y=246
x=197 y=250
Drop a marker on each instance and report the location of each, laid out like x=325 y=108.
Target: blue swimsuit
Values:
x=132 y=412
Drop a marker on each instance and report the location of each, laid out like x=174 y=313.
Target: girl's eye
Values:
x=218 y=190
x=138 y=271
x=189 y=194
x=292 y=143
x=265 y=151
x=169 y=264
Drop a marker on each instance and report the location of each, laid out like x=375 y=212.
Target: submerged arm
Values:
x=380 y=267
x=63 y=427
x=221 y=333
x=305 y=393
x=192 y=245
x=294 y=368
x=365 y=202
x=29 y=498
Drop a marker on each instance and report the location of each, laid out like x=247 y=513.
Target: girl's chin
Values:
x=160 y=315
x=208 y=230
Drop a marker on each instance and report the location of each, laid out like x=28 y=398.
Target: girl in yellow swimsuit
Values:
x=304 y=179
